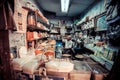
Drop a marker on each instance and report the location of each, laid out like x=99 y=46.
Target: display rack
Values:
x=100 y=22
x=101 y=56
x=35 y=28
x=38 y=27
x=39 y=14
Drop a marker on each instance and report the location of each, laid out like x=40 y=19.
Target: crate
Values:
x=81 y=71
x=58 y=74
x=100 y=76
x=49 y=78
x=99 y=72
x=80 y=75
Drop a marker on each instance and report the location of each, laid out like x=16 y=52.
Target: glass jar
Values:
x=31 y=19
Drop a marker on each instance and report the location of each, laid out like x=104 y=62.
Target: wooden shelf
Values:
x=28 y=9
x=38 y=39
x=45 y=20
x=35 y=28
x=54 y=33
x=100 y=59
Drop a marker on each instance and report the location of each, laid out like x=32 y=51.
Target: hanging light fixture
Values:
x=65 y=5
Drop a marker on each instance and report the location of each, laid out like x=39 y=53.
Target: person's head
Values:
x=80 y=34
x=68 y=37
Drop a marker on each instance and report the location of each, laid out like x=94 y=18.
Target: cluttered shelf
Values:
x=39 y=14
x=35 y=28
x=102 y=56
x=43 y=38
x=57 y=33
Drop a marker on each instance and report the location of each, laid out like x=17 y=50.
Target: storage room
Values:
x=59 y=40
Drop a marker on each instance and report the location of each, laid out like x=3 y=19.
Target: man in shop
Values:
x=78 y=43
x=68 y=46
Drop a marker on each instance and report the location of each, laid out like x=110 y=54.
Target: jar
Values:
x=31 y=19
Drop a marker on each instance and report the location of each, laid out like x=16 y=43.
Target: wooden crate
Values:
x=99 y=72
x=81 y=71
x=100 y=76
x=58 y=74
x=80 y=75
x=48 y=78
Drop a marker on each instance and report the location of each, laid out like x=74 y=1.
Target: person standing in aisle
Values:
x=68 y=46
x=78 y=43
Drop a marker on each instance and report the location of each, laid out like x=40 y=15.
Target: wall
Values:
x=96 y=9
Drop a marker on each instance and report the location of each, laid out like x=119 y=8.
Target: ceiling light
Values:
x=65 y=5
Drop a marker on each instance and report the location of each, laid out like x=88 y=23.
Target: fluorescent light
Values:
x=65 y=5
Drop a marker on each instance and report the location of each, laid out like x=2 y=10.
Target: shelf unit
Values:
x=39 y=14
x=98 y=57
x=34 y=29
x=38 y=39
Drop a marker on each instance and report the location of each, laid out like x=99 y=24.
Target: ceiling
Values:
x=76 y=7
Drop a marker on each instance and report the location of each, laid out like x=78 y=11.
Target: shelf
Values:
x=100 y=58
x=28 y=9
x=69 y=28
x=90 y=48
x=54 y=33
x=101 y=30
x=38 y=39
x=45 y=20
x=113 y=20
x=35 y=28
x=69 y=33
x=103 y=61
x=43 y=23
x=77 y=31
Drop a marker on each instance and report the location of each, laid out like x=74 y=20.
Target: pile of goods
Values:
x=59 y=65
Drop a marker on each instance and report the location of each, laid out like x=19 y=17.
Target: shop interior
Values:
x=59 y=39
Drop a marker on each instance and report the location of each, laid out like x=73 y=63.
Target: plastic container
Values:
x=58 y=49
